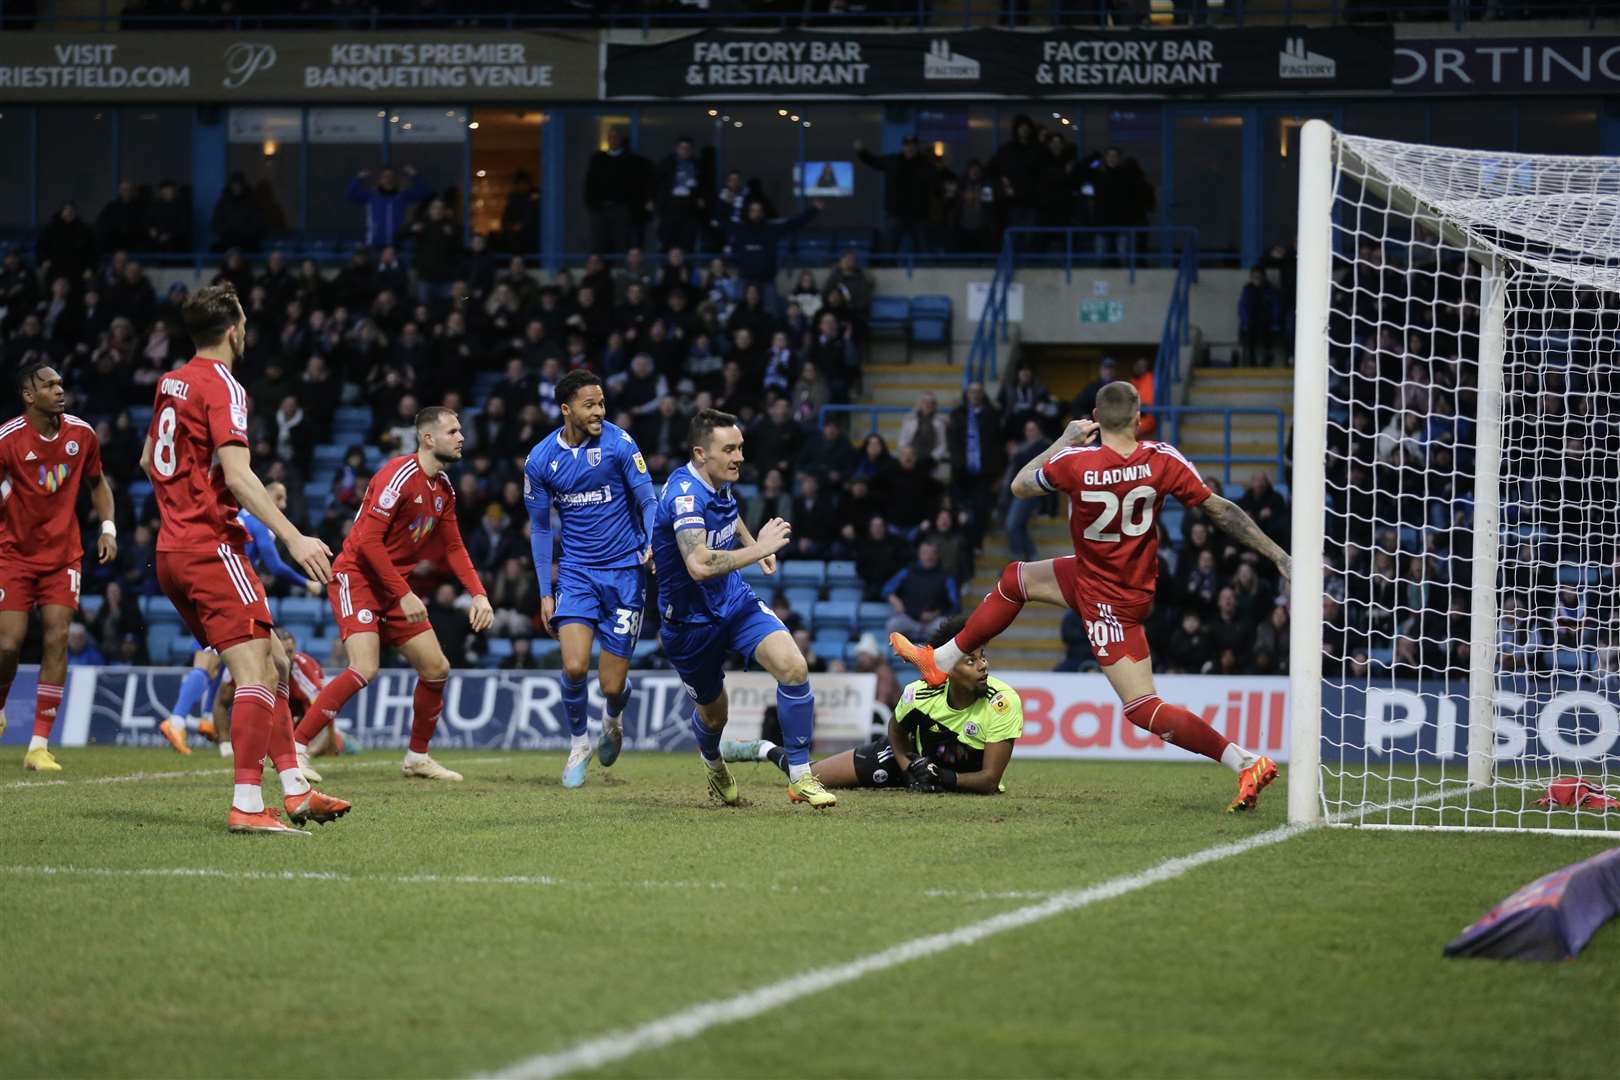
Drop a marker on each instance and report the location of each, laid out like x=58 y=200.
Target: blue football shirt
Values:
x=688 y=502
x=596 y=488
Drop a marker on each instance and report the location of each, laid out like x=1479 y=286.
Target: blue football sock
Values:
x=192 y=688
x=616 y=703
x=796 y=710
x=213 y=688
x=708 y=741
x=575 y=699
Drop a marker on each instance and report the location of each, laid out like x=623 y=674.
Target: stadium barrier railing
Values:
x=852 y=411
x=1173 y=416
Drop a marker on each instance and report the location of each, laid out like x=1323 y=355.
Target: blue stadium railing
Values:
x=1172 y=416
x=763 y=14
x=872 y=412
x=1127 y=248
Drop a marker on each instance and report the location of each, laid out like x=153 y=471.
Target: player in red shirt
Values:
x=305 y=682
x=45 y=454
x=1115 y=488
x=197 y=457
x=407 y=516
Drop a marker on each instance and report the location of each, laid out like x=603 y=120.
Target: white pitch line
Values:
x=531 y=880
x=177 y=774
x=694 y=1020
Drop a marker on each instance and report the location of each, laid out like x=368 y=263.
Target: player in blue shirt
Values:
x=197 y=689
x=592 y=473
x=699 y=545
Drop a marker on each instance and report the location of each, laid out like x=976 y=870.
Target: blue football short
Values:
x=697 y=652
x=608 y=600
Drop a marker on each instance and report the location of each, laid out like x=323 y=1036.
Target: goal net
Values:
x=1457 y=488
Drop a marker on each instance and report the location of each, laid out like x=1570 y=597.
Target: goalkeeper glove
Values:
x=925 y=774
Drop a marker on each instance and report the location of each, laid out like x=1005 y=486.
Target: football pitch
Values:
x=1098 y=920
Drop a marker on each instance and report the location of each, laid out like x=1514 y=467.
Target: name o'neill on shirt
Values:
x=593 y=497
x=1108 y=477
x=175 y=388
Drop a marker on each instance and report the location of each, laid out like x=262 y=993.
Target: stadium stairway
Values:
x=901 y=384
x=1034 y=642
x=1233 y=388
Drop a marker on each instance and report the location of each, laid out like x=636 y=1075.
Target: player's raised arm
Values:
x=768 y=563
x=703 y=562
x=1027 y=484
x=1232 y=520
x=313 y=555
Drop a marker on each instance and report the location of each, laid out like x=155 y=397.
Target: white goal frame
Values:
x=1309 y=491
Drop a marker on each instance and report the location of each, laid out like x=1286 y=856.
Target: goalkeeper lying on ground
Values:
x=956 y=737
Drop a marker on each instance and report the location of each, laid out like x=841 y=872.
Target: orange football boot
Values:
x=920 y=657
x=314 y=806
x=265 y=821
x=176 y=736
x=1251 y=782
x=207 y=730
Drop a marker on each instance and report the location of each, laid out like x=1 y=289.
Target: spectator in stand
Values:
x=729 y=207
x=168 y=220
x=946 y=533
x=774 y=441
x=1015 y=168
x=1202 y=582
x=921 y=595
x=871 y=660
x=494 y=541
x=1142 y=379
x=388 y=206
x=19 y=287
x=67 y=246
x=805 y=294
x=1265 y=504
x=828 y=454
x=914 y=494
x=447 y=613
x=81 y=651
x=976 y=214
x=618 y=195
x=118 y=616
x=880 y=553
x=923 y=430
x=810 y=393
x=908 y=182
x=978 y=456
x=1122 y=199
x=522 y=658
x=1259 y=319
x=1269 y=653
x=753 y=241
x=520 y=218
x=1019 y=511
x=1191 y=650
x=515 y=596
x=815 y=518
x=680 y=196
x=389 y=275
x=122 y=222
x=1077 y=654
x=1055 y=186
x=237 y=221
x=1229 y=629
x=1085 y=402
x=1022 y=399
x=772 y=500
x=659 y=436
x=438 y=252
x=856 y=284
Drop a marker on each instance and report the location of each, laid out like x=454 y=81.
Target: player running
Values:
x=708 y=610
x=200 y=687
x=409 y=500
x=45 y=454
x=196 y=455
x=592 y=472
x=1115 y=489
x=958 y=737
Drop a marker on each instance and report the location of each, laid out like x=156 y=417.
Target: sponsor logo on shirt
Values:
x=421 y=527
x=238 y=417
x=972 y=729
x=593 y=497
x=52 y=477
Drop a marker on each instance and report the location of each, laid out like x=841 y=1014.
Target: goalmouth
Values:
x=1455 y=648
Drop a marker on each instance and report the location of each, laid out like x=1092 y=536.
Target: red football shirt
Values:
x=1114 y=506
x=306 y=683
x=199 y=408
x=39 y=519
x=406 y=518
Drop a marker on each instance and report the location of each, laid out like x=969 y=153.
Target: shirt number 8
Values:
x=163 y=455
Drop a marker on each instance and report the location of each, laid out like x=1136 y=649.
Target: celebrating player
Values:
x=407 y=502
x=592 y=471
x=201 y=684
x=197 y=457
x=45 y=454
x=1116 y=488
x=708 y=610
x=953 y=738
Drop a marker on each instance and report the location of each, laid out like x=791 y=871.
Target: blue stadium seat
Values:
x=496 y=650
x=546 y=649
x=889 y=316
x=329 y=455
x=852 y=594
x=829 y=643
x=352 y=416
x=804 y=572
x=1579 y=575
x=836 y=613
x=744 y=492
x=802 y=598
x=756 y=578
x=90 y=606
x=310 y=609
x=644 y=650
x=873 y=613
x=930 y=323
x=843 y=572
x=1570 y=660
x=1233 y=492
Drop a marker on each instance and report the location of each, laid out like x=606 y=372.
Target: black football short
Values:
x=875 y=766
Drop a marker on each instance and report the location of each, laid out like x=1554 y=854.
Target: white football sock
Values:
x=413 y=758
x=225 y=750
x=765 y=748
x=292 y=781
x=1236 y=758
x=38 y=742
x=248 y=798
x=717 y=764
x=579 y=744
x=946 y=655
x=795 y=772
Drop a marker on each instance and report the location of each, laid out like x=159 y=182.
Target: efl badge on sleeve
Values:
x=387 y=500
x=238 y=417
x=685 y=504
x=641 y=463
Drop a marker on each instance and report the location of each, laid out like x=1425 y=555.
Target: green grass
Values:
x=1319 y=956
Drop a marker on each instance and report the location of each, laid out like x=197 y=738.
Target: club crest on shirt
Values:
x=593 y=457
x=972 y=729
x=364 y=615
x=72 y=448
x=438 y=503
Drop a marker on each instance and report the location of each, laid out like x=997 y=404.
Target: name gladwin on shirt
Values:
x=1108 y=477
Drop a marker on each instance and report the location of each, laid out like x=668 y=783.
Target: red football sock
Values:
x=333 y=696
x=428 y=703
x=997 y=611
x=252 y=711
x=1176 y=725
x=47 y=699
x=282 y=753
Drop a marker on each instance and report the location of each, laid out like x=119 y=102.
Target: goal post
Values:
x=1455 y=640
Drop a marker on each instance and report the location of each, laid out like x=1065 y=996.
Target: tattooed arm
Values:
x=1231 y=520
x=1026 y=485
x=704 y=563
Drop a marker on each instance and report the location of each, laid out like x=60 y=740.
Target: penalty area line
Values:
x=180 y=774
x=694 y=1020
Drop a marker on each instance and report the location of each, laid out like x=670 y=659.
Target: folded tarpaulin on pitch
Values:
x=1552 y=918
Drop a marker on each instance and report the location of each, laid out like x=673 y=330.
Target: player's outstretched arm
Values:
x=313 y=555
x=1027 y=485
x=1231 y=519
x=768 y=563
x=703 y=562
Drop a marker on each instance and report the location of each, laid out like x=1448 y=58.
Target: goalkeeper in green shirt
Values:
x=955 y=737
